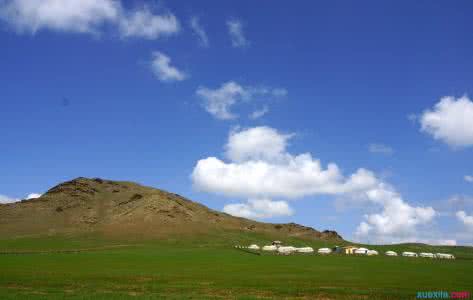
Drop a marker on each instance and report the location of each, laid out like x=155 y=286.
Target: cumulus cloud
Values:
x=143 y=23
x=6 y=199
x=468 y=178
x=59 y=15
x=297 y=177
x=380 y=149
x=397 y=222
x=33 y=196
x=450 y=121
x=164 y=71
x=85 y=16
x=237 y=36
x=465 y=219
x=260 y=167
x=259 y=209
x=199 y=31
x=258 y=143
x=220 y=101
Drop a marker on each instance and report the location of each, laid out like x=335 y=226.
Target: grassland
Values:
x=208 y=267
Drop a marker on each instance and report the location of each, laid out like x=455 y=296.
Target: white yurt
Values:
x=372 y=252
x=324 y=251
x=305 y=250
x=361 y=251
x=269 y=248
x=444 y=256
x=286 y=250
x=391 y=253
x=409 y=254
x=427 y=255
x=253 y=247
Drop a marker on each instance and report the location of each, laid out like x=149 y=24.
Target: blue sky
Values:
x=130 y=91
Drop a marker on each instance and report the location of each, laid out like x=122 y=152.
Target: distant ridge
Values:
x=129 y=210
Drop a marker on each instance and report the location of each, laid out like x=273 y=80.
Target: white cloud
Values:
x=161 y=67
x=297 y=177
x=259 y=209
x=258 y=143
x=33 y=196
x=199 y=31
x=59 y=15
x=259 y=113
x=397 y=222
x=468 y=178
x=6 y=199
x=260 y=167
x=381 y=149
x=85 y=16
x=220 y=101
x=237 y=36
x=450 y=121
x=143 y=23
x=465 y=219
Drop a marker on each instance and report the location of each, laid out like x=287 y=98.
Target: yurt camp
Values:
x=361 y=251
x=409 y=254
x=324 y=251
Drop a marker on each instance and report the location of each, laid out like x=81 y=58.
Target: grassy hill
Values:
x=99 y=239
x=126 y=210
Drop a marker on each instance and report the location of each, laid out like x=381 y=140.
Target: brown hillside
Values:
x=127 y=209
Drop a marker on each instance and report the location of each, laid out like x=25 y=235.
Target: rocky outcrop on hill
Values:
x=127 y=209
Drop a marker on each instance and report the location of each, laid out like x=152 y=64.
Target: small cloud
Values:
x=465 y=219
x=164 y=71
x=450 y=121
x=63 y=16
x=219 y=101
x=88 y=17
x=259 y=113
x=237 y=36
x=199 y=31
x=381 y=149
x=259 y=209
x=6 y=199
x=142 y=23
x=468 y=178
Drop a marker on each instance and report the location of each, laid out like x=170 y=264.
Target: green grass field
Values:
x=206 y=268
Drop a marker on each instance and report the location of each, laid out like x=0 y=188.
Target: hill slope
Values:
x=126 y=209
